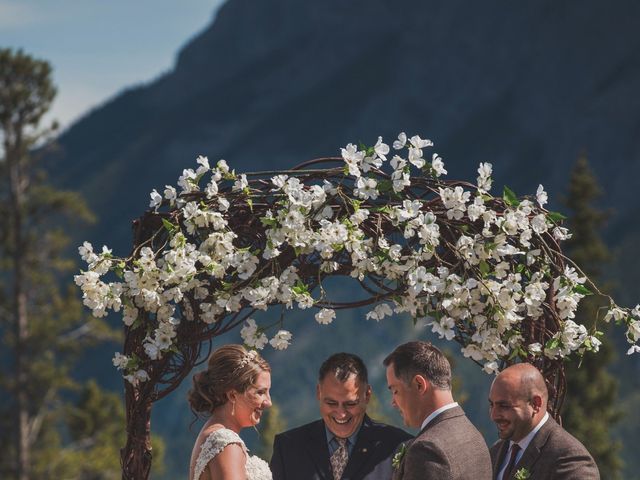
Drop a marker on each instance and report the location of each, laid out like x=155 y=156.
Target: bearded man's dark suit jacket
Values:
x=303 y=453
x=448 y=448
x=553 y=454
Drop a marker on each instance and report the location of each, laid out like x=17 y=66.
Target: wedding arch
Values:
x=486 y=271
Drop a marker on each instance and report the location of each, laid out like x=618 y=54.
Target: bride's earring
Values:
x=233 y=408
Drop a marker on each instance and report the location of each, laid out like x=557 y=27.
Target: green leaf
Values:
x=484 y=268
x=250 y=203
x=581 y=289
x=268 y=222
x=517 y=352
x=552 y=343
x=385 y=186
x=384 y=209
x=119 y=269
x=300 y=288
x=170 y=227
x=509 y=197
x=556 y=217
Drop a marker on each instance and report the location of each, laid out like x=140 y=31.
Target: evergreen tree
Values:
x=43 y=329
x=589 y=411
x=270 y=427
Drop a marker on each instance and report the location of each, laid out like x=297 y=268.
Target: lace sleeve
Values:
x=212 y=446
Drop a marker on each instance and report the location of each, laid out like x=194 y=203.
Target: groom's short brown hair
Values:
x=420 y=358
x=342 y=366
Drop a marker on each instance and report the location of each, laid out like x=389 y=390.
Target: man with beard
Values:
x=532 y=445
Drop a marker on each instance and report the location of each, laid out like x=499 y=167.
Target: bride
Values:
x=233 y=391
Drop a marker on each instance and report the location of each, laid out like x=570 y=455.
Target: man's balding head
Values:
x=518 y=400
x=525 y=379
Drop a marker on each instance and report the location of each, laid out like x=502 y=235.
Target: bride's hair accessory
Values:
x=248 y=358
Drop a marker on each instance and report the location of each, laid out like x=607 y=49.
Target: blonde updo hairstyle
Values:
x=230 y=367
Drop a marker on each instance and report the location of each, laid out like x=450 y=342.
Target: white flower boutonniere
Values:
x=397 y=458
x=522 y=474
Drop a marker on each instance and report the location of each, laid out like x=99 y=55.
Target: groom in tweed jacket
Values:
x=448 y=446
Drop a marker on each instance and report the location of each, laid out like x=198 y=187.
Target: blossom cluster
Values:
x=482 y=270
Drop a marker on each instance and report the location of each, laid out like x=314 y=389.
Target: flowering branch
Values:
x=486 y=271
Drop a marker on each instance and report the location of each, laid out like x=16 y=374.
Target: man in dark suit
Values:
x=448 y=446
x=532 y=445
x=345 y=444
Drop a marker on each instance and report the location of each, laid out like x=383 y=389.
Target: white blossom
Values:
x=401 y=141
x=170 y=194
x=444 y=328
x=484 y=177
x=187 y=181
x=204 y=165
x=535 y=349
x=381 y=149
x=379 y=312
x=633 y=349
x=437 y=164
x=541 y=196
x=366 y=188
x=353 y=158
x=491 y=368
x=240 y=184
x=156 y=199
x=120 y=361
x=281 y=340
x=325 y=316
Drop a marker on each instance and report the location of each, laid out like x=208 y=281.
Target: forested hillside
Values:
x=527 y=86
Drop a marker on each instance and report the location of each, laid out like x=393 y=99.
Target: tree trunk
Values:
x=17 y=187
x=136 y=456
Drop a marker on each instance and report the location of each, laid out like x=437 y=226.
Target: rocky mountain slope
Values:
x=527 y=86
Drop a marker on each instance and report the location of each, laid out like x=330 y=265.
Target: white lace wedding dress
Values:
x=256 y=468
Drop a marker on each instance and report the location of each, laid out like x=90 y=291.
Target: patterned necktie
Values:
x=339 y=458
x=512 y=461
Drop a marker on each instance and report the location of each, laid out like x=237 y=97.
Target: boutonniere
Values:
x=522 y=474
x=397 y=458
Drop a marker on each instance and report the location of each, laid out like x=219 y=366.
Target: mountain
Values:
x=527 y=86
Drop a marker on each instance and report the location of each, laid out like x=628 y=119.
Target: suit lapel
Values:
x=532 y=453
x=446 y=415
x=319 y=450
x=502 y=452
x=363 y=450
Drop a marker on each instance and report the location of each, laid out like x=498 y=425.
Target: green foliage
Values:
x=376 y=412
x=509 y=197
x=26 y=90
x=272 y=424
x=43 y=328
x=589 y=410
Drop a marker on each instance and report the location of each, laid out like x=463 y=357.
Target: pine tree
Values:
x=43 y=328
x=589 y=411
x=272 y=425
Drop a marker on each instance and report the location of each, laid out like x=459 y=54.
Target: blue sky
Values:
x=99 y=47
